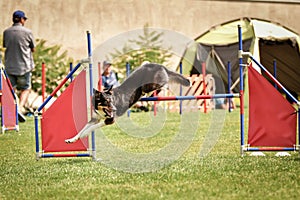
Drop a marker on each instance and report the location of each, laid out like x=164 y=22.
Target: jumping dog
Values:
x=114 y=102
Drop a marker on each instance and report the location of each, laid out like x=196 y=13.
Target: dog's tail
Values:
x=178 y=78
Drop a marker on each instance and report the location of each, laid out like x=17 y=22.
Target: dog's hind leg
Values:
x=87 y=129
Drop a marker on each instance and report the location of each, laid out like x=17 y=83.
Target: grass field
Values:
x=221 y=174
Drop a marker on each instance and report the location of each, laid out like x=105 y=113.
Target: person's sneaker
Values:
x=21 y=117
x=144 y=108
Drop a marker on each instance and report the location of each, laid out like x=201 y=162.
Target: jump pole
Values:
x=182 y=98
x=180 y=89
x=100 y=77
x=91 y=88
x=127 y=74
x=229 y=85
x=204 y=85
x=43 y=81
x=240 y=57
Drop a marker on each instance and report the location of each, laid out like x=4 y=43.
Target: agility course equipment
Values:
x=9 y=106
x=277 y=131
x=182 y=98
x=66 y=117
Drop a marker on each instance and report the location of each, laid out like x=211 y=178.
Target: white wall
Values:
x=65 y=22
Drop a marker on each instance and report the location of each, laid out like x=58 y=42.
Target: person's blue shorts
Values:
x=22 y=82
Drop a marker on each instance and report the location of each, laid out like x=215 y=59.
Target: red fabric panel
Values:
x=8 y=105
x=272 y=119
x=65 y=118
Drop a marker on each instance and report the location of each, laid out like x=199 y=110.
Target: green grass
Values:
x=221 y=174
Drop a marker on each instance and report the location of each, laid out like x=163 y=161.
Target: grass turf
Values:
x=221 y=174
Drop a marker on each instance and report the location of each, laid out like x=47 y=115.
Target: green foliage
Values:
x=148 y=47
x=57 y=66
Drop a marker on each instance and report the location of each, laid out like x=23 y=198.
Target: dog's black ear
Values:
x=108 y=91
x=95 y=90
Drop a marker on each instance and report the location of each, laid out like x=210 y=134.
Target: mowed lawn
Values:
x=207 y=164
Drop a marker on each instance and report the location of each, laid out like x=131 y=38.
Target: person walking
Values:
x=19 y=44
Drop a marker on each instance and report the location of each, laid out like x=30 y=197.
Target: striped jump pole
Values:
x=182 y=98
x=204 y=85
x=100 y=77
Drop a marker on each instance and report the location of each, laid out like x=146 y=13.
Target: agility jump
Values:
x=277 y=132
x=8 y=102
x=65 y=117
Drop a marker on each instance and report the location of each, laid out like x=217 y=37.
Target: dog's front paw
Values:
x=72 y=140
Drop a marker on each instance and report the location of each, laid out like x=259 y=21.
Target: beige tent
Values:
x=266 y=40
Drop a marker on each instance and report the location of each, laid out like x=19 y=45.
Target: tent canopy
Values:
x=267 y=41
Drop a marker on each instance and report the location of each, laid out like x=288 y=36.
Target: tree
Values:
x=149 y=49
x=57 y=65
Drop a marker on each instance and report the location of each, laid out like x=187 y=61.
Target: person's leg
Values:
x=14 y=82
x=24 y=85
x=23 y=100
